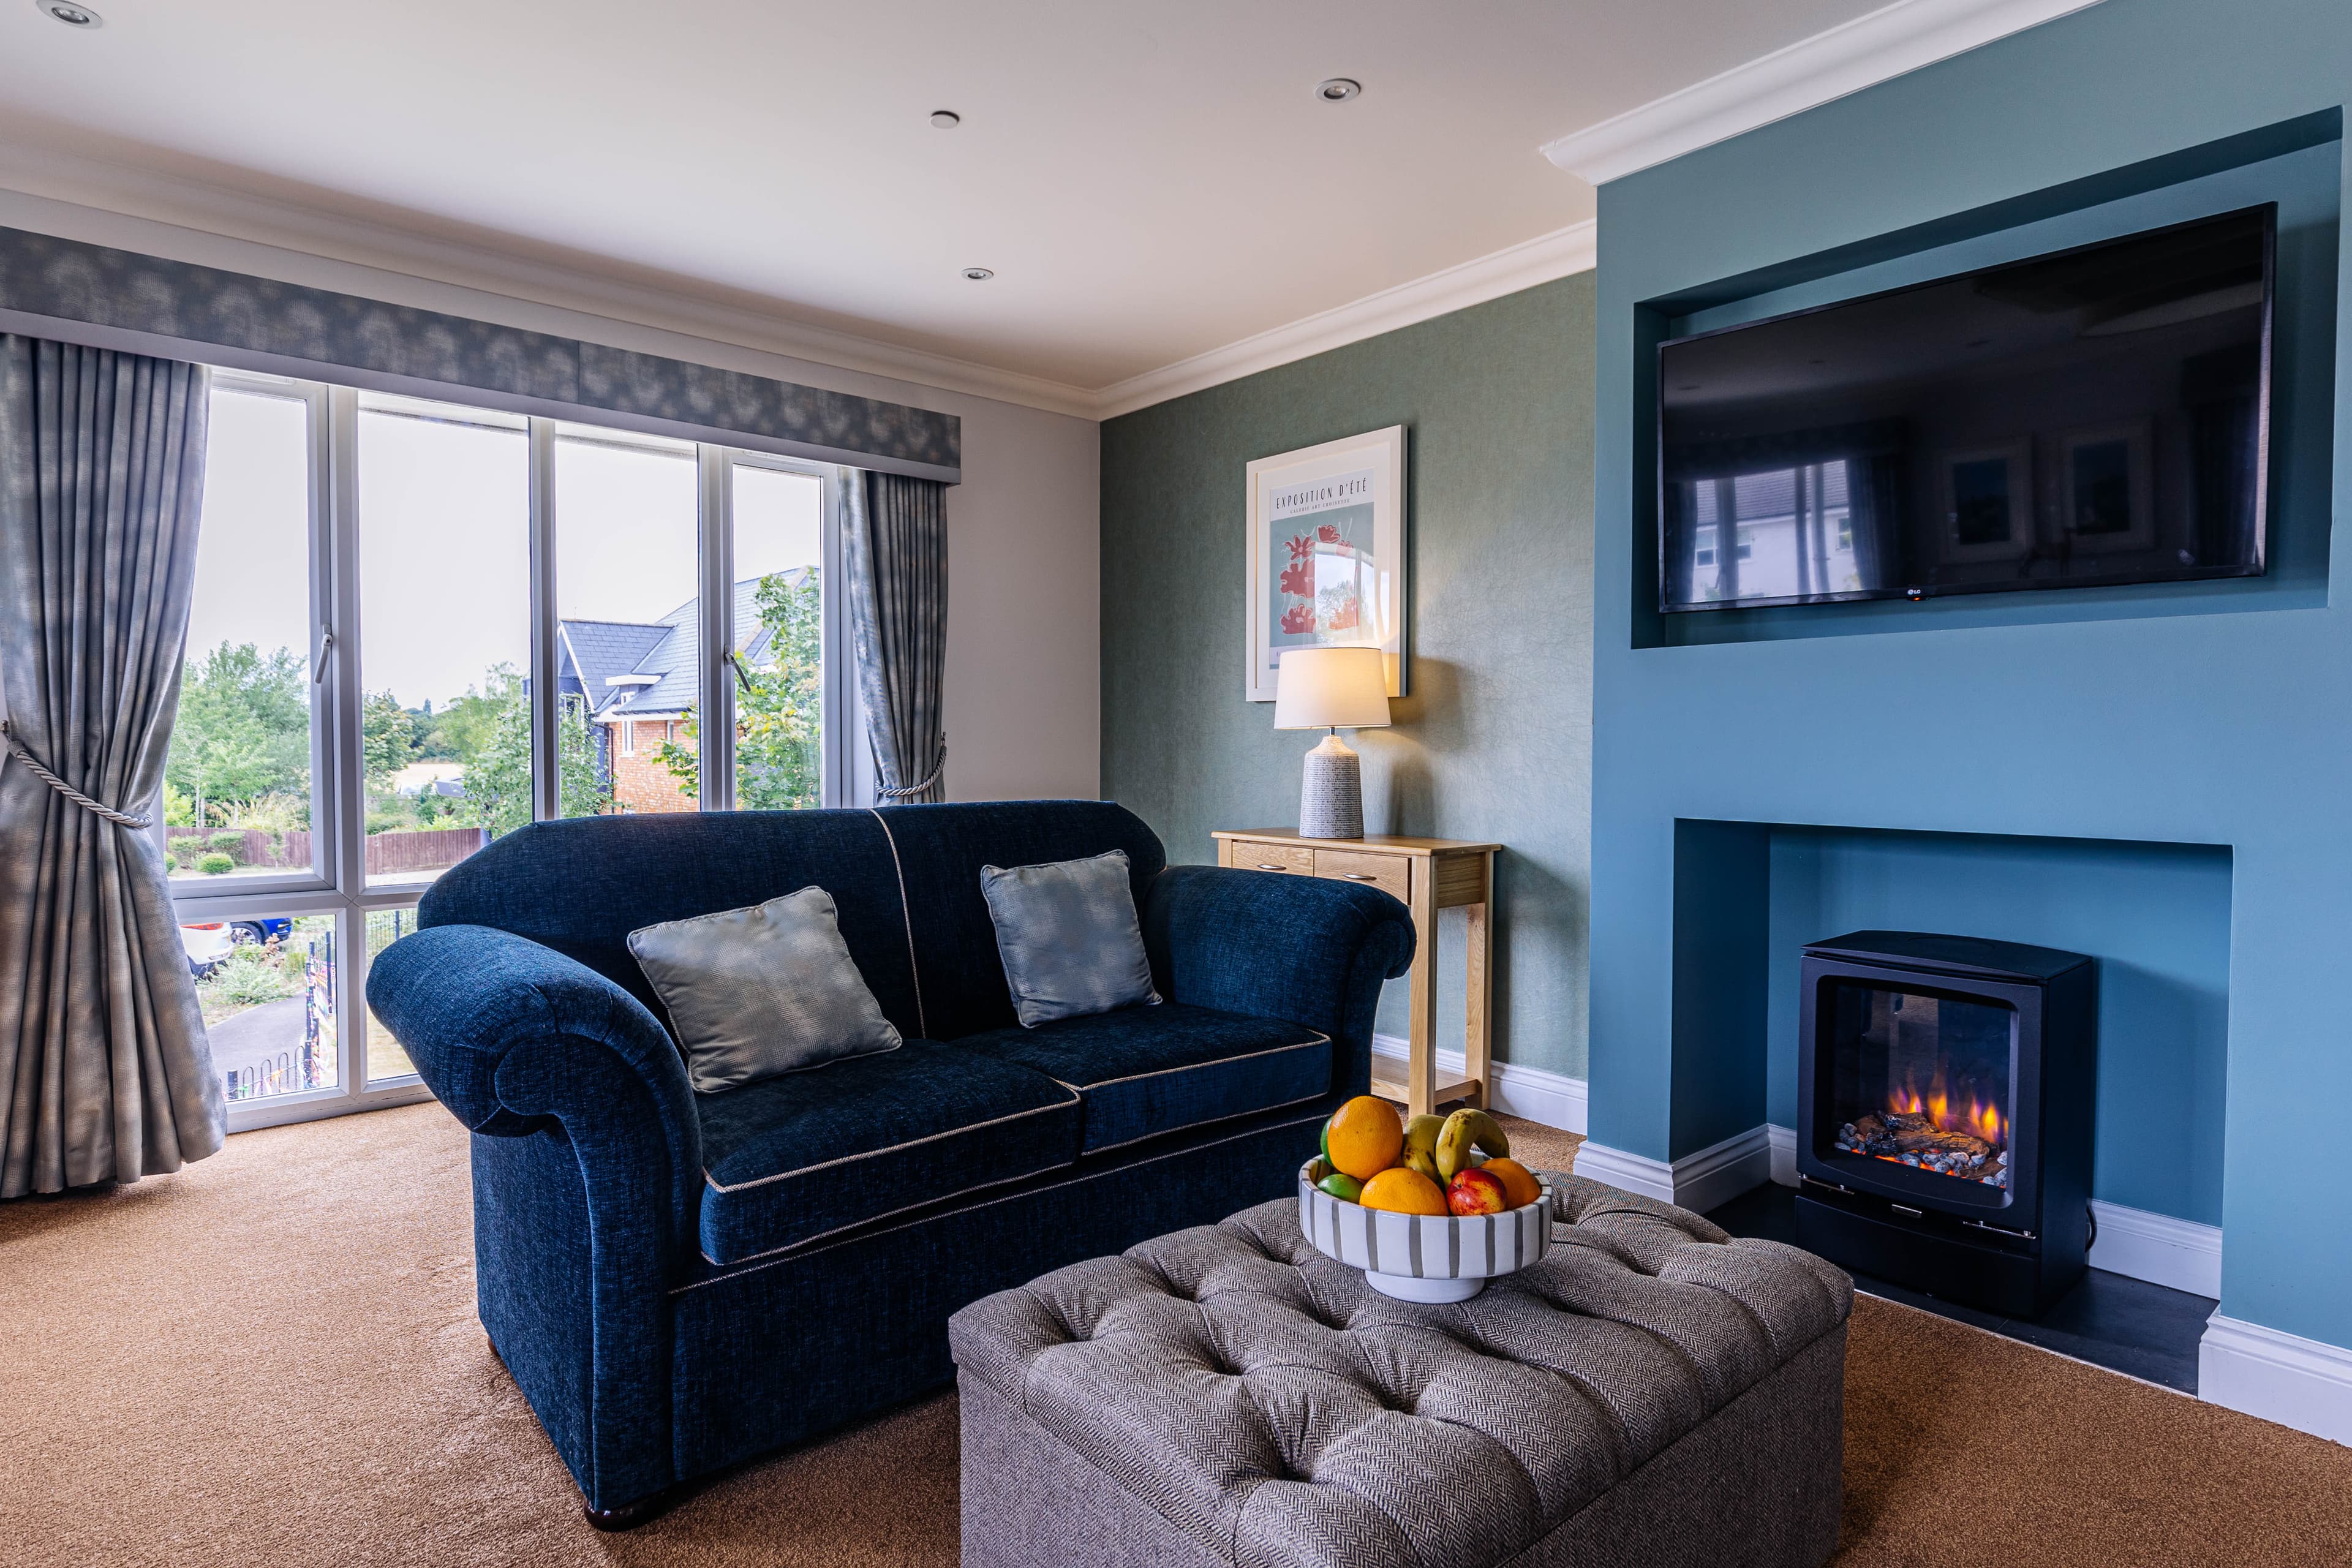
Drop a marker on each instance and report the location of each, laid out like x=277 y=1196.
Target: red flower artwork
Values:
x=1329 y=533
x=1302 y=546
x=1299 y=617
x=1343 y=619
x=1298 y=579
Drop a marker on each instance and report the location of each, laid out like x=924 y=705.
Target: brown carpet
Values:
x=270 y=1360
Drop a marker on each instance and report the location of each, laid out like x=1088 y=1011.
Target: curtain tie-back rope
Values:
x=33 y=765
x=911 y=790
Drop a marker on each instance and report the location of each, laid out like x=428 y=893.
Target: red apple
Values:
x=1472 y=1191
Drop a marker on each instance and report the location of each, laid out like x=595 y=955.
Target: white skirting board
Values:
x=2281 y=1378
x=1698 y=1181
x=1549 y=1098
x=2156 y=1247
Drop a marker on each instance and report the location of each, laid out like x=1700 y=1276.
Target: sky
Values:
x=445 y=549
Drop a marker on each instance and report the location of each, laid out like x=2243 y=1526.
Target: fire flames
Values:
x=1980 y=1120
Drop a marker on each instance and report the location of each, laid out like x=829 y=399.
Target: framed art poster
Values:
x=1327 y=563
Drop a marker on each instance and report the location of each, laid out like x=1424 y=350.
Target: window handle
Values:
x=326 y=643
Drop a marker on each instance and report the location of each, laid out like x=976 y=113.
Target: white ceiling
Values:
x=1147 y=182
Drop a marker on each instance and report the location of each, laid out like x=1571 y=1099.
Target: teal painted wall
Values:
x=1493 y=741
x=2200 y=717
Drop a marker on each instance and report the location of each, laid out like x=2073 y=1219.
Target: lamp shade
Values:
x=1331 y=688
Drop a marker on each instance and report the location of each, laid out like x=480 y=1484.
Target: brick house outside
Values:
x=636 y=680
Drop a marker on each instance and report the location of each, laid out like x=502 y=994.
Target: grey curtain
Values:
x=104 y=1071
x=895 y=541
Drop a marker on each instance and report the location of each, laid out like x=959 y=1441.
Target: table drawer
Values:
x=1293 y=857
x=1390 y=874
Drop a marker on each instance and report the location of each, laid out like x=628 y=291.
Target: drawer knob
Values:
x=1269 y=866
x=1359 y=876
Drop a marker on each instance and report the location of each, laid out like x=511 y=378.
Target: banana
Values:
x=1464 y=1130
x=1421 y=1144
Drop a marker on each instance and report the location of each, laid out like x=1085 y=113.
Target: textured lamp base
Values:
x=1331 y=795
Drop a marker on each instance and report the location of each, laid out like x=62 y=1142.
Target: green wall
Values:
x=1494 y=740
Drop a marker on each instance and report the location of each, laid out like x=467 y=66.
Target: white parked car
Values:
x=207 y=945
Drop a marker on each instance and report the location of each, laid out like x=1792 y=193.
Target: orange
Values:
x=1520 y=1187
x=1403 y=1191
x=1365 y=1137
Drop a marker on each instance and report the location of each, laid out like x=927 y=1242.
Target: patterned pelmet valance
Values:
x=75 y=292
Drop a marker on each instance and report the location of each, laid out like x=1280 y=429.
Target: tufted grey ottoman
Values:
x=1652 y=1392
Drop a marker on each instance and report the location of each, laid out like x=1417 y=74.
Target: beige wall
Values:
x=1023 y=653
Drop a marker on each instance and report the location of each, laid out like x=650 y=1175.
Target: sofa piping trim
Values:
x=903 y=1208
x=905 y=914
x=928 y=1138
x=1320 y=1040
x=1102 y=1147
x=1173 y=1153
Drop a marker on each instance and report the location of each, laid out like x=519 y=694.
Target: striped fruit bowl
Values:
x=1425 y=1257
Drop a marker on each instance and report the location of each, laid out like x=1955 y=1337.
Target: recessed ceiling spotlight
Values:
x=946 y=119
x=978 y=274
x=72 y=15
x=1339 y=90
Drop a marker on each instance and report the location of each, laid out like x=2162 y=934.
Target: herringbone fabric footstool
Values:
x=1652 y=1392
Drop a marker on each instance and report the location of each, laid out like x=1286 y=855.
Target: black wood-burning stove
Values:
x=1945 y=1101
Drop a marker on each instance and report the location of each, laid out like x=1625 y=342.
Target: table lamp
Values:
x=1331 y=689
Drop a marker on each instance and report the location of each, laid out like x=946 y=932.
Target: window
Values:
x=388 y=671
x=776 y=638
x=628 y=520
x=237 y=795
x=445 y=632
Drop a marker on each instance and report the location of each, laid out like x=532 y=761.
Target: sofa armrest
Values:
x=515 y=1038
x=1309 y=950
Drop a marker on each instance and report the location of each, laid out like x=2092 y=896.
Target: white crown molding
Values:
x=2158 y=1248
x=245 y=218
x=1854 y=55
x=1507 y=271
x=1548 y=1099
x=2281 y=1378
x=1698 y=1182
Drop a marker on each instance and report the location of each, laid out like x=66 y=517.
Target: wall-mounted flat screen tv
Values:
x=2095 y=417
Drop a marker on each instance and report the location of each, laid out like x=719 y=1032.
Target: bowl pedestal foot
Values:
x=1405 y=1288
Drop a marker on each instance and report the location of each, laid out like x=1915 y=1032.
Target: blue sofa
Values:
x=680 y=1282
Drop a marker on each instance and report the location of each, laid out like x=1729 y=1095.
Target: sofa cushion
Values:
x=1146 y=1071
x=1068 y=933
x=791 y=1159
x=758 y=992
x=941 y=850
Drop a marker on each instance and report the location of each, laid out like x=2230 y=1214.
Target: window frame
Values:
x=336 y=885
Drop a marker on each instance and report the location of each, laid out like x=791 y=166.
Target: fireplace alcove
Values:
x=2155 y=916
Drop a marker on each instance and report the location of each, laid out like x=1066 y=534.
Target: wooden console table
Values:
x=1425 y=875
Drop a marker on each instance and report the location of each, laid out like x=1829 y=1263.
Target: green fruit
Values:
x=1422 y=1161
x=1342 y=1185
x=1464 y=1130
x=1326 y=1149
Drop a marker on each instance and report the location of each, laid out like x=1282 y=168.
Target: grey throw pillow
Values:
x=1068 y=936
x=757 y=992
